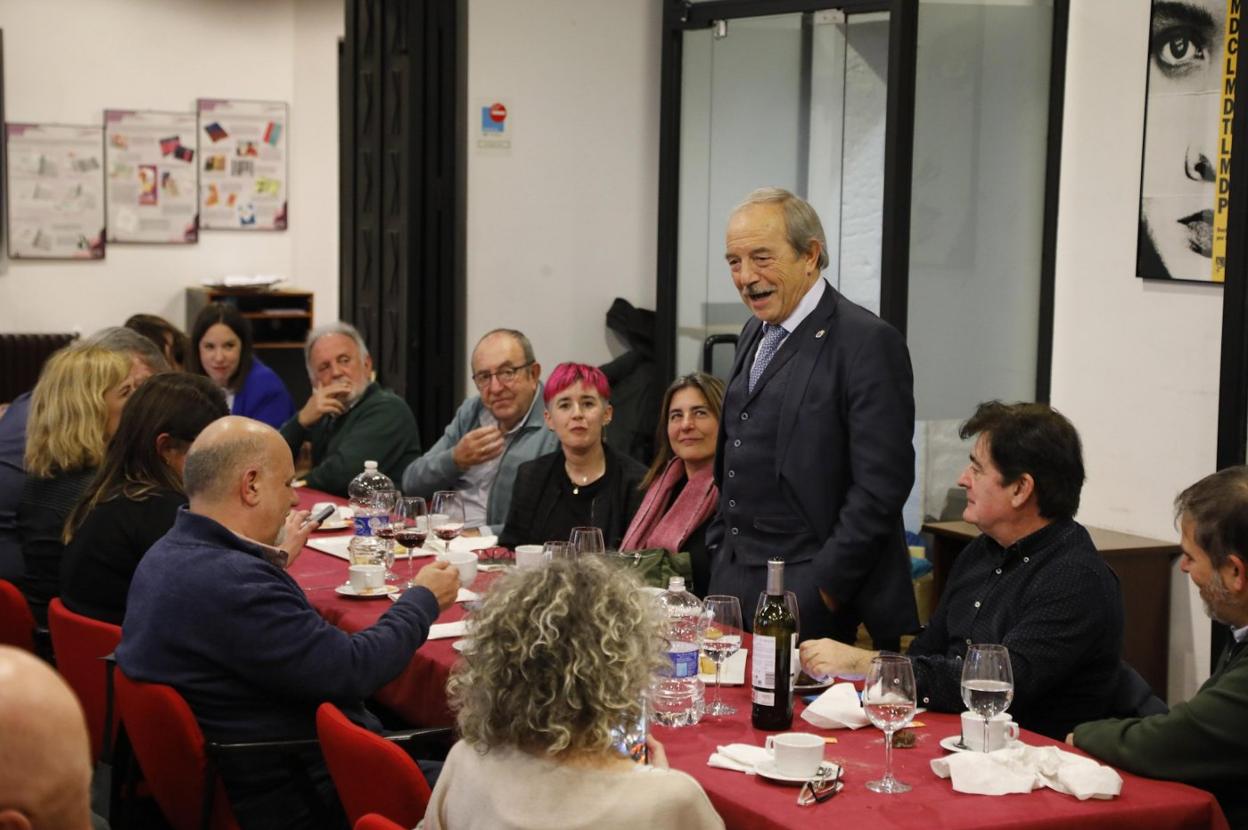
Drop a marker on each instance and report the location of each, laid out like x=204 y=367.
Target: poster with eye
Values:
x=242 y=164
x=1185 y=176
x=149 y=159
x=55 y=191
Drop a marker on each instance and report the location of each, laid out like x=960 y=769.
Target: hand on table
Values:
x=825 y=658
x=480 y=444
x=330 y=399
x=442 y=579
x=1070 y=739
x=295 y=534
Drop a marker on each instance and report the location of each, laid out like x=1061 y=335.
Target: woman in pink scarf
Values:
x=681 y=495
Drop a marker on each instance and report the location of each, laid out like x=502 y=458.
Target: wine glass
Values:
x=446 y=519
x=987 y=682
x=888 y=698
x=385 y=503
x=412 y=520
x=721 y=638
x=555 y=549
x=585 y=540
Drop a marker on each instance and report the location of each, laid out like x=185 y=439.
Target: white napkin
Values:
x=337 y=546
x=837 y=708
x=1020 y=768
x=465 y=595
x=441 y=631
x=738 y=757
x=732 y=672
x=435 y=545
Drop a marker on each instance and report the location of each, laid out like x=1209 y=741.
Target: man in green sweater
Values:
x=1203 y=742
x=349 y=419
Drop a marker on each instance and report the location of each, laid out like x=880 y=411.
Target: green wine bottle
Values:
x=775 y=632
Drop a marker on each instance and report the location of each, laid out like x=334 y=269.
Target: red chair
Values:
x=81 y=644
x=373 y=774
x=372 y=821
x=169 y=745
x=17 y=624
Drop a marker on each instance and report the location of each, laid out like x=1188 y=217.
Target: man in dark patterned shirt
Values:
x=1033 y=581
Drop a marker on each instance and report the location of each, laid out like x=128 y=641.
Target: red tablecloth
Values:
x=418 y=694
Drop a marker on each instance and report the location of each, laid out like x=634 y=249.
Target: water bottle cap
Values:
x=676 y=583
x=370 y=465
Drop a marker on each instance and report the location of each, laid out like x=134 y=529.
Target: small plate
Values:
x=954 y=744
x=811 y=686
x=767 y=769
x=340 y=524
x=460 y=645
x=349 y=591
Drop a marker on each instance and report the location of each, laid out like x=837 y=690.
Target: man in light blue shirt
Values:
x=491 y=434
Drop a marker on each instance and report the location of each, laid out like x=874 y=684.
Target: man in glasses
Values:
x=349 y=418
x=491 y=434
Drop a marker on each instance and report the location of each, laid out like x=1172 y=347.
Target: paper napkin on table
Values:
x=337 y=546
x=732 y=673
x=465 y=595
x=1021 y=768
x=837 y=708
x=441 y=631
x=738 y=757
x=435 y=545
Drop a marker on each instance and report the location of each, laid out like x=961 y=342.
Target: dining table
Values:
x=418 y=695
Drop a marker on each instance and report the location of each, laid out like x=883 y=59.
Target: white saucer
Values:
x=954 y=744
x=460 y=645
x=349 y=591
x=767 y=769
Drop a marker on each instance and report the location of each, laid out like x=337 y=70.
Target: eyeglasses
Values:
x=506 y=375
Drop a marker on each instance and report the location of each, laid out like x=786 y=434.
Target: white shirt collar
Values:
x=1240 y=634
x=805 y=306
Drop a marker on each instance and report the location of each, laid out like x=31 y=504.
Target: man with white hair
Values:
x=213 y=613
x=45 y=755
x=349 y=419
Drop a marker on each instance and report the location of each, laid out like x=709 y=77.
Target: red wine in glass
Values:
x=447 y=532
x=410 y=537
x=387 y=532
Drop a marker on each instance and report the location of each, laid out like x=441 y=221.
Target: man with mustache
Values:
x=491 y=435
x=349 y=419
x=1204 y=741
x=815 y=456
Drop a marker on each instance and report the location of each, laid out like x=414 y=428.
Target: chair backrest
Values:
x=17 y=624
x=1132 y=696
x=169 y=746
x=371 y=774
x=81 y=644
x=372 y=821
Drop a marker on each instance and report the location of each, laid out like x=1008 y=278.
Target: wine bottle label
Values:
x=764 y=666
x=762 y=698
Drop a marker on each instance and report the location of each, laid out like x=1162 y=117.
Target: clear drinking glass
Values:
x=721 y=638
x=987 y=682
x=585 y=540
x=888 y=698
x=387 y=502
x=412 y=521
x=446 y=519
x=555 y=549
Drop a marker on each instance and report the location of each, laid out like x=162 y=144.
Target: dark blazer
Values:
x=539 y=488
x=844 y=457
x=263 y=396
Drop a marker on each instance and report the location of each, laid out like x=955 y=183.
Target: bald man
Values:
x=213 y=613
x=45 y=755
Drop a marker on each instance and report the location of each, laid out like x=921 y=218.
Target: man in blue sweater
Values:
x=213 y=613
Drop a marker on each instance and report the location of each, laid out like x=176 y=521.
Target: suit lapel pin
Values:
x=820 y=333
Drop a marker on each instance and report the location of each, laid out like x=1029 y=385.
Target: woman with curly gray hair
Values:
x=560 y=657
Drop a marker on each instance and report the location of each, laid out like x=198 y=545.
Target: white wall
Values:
x=68 y=60
x=1135 y=363
x=564 y=221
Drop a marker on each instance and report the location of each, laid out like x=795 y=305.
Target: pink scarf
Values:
x=658 y=525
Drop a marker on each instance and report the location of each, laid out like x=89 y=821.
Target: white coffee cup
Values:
x=367 y=578
x=798 y=754
x=529 y=556
x=1001 y=731
x=465 y=561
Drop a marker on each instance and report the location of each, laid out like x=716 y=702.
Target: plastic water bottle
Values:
x=365 y=546
x=676 y=694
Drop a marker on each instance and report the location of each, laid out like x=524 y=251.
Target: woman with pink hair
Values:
x=584 y=483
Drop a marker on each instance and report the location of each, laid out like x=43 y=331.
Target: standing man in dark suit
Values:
x=815 y=456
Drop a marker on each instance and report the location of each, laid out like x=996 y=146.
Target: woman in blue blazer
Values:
x=221 y=348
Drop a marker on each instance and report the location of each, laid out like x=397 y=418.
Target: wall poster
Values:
x=152 y=187
x=242 y=164
x=1185 y=180
x=55 y=191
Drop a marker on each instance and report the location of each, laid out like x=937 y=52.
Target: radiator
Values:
x=21 y=359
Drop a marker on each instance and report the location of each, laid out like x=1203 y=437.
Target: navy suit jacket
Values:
x=845 y=454
x=263 y=396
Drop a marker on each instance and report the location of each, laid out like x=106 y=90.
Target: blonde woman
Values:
x=560 y=657
x=74 y=410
